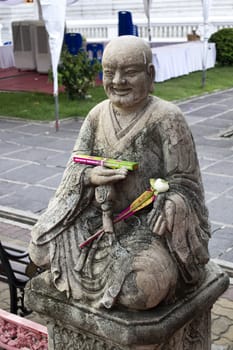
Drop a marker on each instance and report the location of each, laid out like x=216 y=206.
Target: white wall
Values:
x=87 y=13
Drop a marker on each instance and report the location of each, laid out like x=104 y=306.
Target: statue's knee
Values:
x=153 y=279
x=144 y=290
x=40 y=256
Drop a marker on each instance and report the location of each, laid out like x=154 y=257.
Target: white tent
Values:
x=147 y=7
x=53 y=13
x=206 y=5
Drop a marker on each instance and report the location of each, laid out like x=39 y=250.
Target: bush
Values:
x=77 y=73
x=223 y=40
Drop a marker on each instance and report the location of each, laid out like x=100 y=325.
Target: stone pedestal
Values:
x=184 y=325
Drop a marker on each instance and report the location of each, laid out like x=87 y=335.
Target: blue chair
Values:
x=95 y=51
x=74 y=42
x=135 y=30
x=125 y=24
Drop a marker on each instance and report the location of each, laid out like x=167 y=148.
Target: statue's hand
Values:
x=102 y=176
x=172 y=216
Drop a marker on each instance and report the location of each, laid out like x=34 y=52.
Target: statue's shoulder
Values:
x=98 y=109
x=165 y=108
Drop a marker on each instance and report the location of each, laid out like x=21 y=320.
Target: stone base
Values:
x=184 y=325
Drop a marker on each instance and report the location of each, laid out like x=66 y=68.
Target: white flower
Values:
x=159 y=185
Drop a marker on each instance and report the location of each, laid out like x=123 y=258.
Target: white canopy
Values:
x=16 y=2
x=206 y=5
x=11 y=2
x=53 y=13
x=147 y=6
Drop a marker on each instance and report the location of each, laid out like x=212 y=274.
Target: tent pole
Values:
x=149 y=28
x=56 y=112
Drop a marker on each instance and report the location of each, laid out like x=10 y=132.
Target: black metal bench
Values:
x=16 y=269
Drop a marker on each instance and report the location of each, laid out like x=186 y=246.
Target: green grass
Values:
x=37 y=106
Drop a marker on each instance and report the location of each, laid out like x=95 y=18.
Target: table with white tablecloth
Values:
x=6 y=56
x=180 y=59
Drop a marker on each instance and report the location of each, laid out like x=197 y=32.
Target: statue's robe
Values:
x=160 y=141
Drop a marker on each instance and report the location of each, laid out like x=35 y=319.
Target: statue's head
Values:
x=128 y=72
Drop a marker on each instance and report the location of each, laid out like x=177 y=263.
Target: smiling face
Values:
x=128 y=73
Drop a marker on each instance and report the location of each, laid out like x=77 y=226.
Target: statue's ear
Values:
x=151 y=72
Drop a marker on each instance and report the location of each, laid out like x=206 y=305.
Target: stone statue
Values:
x=148 y=258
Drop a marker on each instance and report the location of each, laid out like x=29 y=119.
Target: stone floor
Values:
x=33 y=157
x=222 y=312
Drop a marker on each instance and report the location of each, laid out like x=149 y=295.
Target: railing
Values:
x=171 y=31
x=20 y=333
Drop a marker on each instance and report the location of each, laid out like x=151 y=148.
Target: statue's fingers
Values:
x=162 y=228
x=102 y=171
x=110 y=172
x=113 y=178
x=158 y=224
x=169 y=210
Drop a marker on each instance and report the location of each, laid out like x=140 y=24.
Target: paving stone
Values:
x=30 y=173
x=228 y=255
x=63 y=145
x=218 y=247
x=35 y=128
x=228 y=294
x=8 y=147
x=7 y=188
x=35 y=154
x=8 y=164
x=205 y=163
x=227 y=115
x=212 y=152
x=229 y=334
x=221 y=347
x=220 y=209
x=216 y=184
x=193 y=119
x=60 y=160
x=223 y=232
x=208 y=111
x=52 y=181
x=221 y=325
x=223 y=307
x=201 y=130
x=34 y=199
x=217 y=142
x=189 y=106
x=228 y=103
x=12 y=136
x=10 y=123
x=40 y=141
x=224 y=167
x=209 y=196
x=219 y=122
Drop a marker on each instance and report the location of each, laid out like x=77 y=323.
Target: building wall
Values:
x=106 y=11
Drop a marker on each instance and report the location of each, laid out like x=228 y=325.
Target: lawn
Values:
x=37 y=106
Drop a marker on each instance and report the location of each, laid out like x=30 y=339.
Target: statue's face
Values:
x=125 y=77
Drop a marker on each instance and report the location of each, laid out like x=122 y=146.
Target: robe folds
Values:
x=160 y=141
